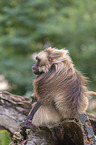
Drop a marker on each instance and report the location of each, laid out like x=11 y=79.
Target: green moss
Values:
x=4 y=137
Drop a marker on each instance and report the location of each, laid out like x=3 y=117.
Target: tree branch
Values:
x=13 y=110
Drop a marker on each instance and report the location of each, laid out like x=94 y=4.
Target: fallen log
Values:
x=13 y=110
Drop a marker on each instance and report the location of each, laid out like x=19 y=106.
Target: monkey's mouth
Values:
x=36 y=71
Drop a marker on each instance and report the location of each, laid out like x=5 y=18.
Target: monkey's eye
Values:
x=37 y=59
x=49 y=59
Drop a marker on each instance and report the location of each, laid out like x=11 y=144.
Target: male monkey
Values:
x=60 y=89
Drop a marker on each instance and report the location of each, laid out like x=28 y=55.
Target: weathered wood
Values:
x=13 y=110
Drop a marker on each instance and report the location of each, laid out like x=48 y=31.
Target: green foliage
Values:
x=17 y=70
x=27 y=26
x=4 y=138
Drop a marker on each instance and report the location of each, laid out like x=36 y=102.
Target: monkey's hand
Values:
x=28 y=125
x=33 y=111
x=27 y=121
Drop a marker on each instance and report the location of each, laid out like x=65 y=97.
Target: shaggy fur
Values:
x=60 y=88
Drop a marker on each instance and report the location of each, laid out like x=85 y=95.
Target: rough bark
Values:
x=13 y=110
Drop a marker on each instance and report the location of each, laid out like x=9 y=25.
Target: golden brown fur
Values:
x=60 y=88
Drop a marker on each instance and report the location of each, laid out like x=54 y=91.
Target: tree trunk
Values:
x=13 y=110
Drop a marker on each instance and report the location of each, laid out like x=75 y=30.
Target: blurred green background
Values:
x=28 y=26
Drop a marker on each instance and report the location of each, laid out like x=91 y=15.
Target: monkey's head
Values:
x=50 y=57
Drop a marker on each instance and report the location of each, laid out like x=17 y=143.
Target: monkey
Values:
x=59 y=87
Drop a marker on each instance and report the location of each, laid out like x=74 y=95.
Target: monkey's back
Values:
x=65 y=89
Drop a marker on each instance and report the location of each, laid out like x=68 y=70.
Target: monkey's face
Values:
x=49 y=57
x=43 y=63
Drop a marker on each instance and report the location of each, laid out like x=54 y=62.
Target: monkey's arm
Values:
x=32 y=112
x=26 y=123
